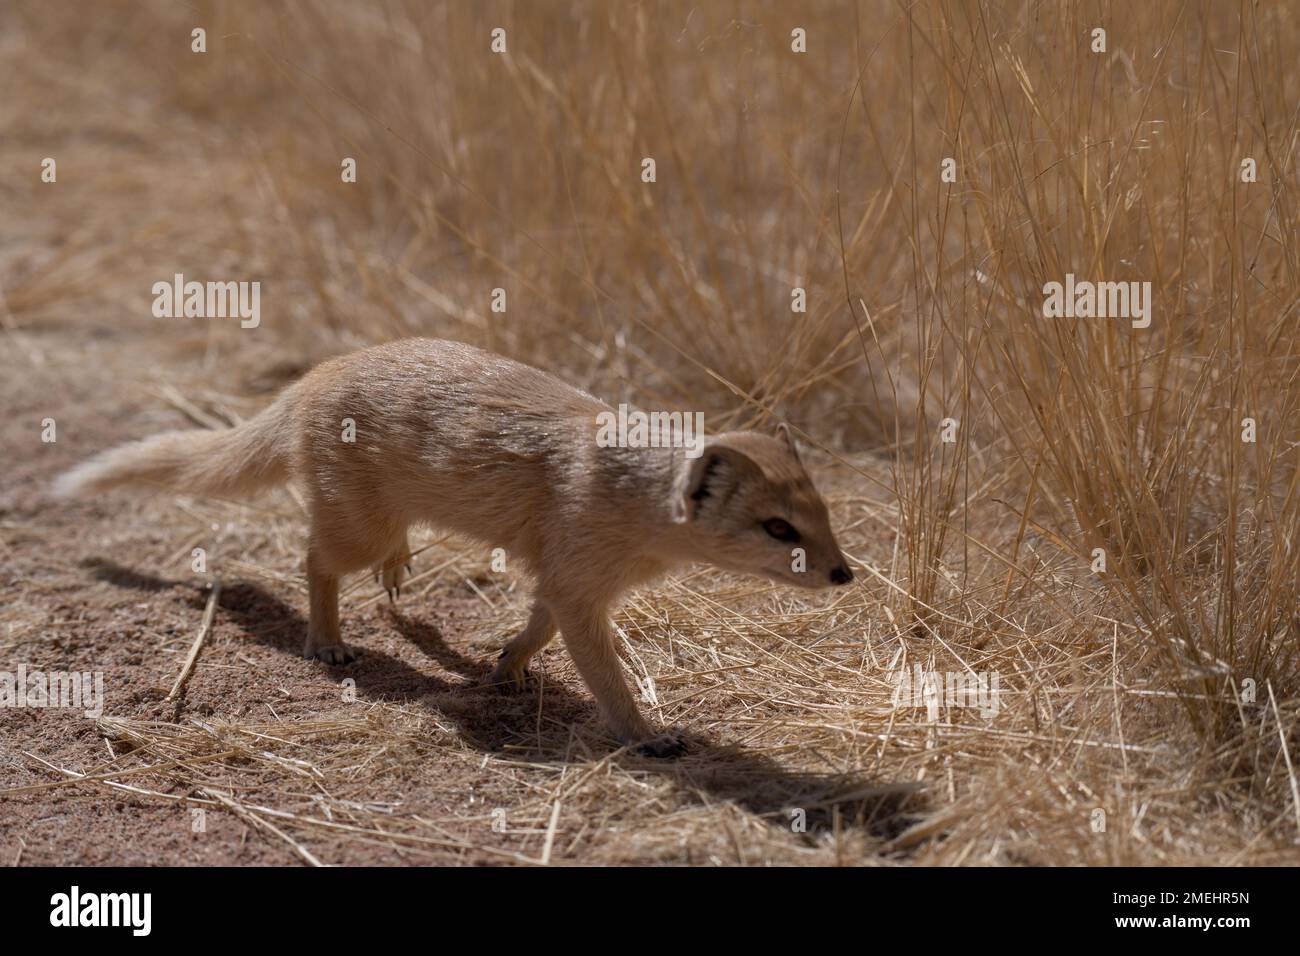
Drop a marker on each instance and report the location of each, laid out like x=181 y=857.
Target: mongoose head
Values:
x=751 y=507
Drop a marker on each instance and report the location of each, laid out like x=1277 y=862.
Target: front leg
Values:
x=589 y=636
x=512 y=668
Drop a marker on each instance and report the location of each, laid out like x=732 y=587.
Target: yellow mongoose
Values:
x=453 y=436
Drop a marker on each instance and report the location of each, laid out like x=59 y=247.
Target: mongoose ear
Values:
x=714 y=475
x=784 y=433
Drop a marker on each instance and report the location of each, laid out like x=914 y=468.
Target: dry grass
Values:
x=775 y=170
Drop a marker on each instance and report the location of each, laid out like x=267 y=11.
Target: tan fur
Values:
x=452 y=436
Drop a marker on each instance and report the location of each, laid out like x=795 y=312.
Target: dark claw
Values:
x=334 y=654
x=663 y=747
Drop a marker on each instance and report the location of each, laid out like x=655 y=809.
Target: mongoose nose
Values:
x=841 y=575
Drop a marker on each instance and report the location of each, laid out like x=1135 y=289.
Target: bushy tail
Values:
x=225 y=463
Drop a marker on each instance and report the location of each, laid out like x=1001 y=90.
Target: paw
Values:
x=666 y=746
x=392 y=574
x=508 y=679
x=336 y=654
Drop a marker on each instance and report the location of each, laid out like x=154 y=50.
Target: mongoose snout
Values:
x=432 y=432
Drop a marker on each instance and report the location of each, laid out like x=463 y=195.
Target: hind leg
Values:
x=512 y=668
x=324 y=641
x=337 y=547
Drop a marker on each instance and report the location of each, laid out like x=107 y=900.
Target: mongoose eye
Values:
x=780 y=529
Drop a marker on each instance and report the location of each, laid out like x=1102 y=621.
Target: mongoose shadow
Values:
x=710 y=770
x=113 y=573
x=488 y=721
